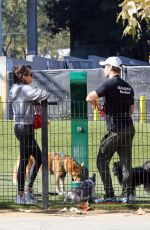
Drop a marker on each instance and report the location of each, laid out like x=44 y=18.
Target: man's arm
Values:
x=132 y=109
x=92 y=98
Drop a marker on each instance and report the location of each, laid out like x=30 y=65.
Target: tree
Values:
x=93 y=28
x=89 y=22
x=58 y=13
x=135 y=12
x=14 y=17
x=135 y=15
x=49 y=40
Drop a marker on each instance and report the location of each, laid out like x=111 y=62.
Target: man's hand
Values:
x=92 y=98
x=96 y=105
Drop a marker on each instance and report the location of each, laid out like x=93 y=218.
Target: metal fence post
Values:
x=32 y=27
x=142 y=109
x=45 y=188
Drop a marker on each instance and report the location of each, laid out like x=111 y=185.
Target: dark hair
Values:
x=20 y=71
x=116 y=69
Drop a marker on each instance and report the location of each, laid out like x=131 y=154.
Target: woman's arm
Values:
x=34 y=94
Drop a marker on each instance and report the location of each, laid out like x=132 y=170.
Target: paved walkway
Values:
x=40 y=221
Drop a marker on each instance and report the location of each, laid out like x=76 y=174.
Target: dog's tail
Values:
x=146 y=166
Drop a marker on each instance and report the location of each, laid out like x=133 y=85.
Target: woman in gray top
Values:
x=24 y=98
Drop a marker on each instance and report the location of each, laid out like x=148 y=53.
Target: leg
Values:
x=57 y=183
x=125 y=153
x=36 y=152
x=107 y=148
x=62 y=187
x=126 y=164
x=22 y=134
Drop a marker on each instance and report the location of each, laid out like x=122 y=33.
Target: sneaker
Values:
x=110 y=199
x=132 y=198
x=32 y=195
x=109 y=195
x=30 y=198
x=129 y=199
x=105 y=200
x=21 y=199
x=123 y=200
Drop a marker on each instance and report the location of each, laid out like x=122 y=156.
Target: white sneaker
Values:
x=132 y=198
x=21 y=199
x=30 y=198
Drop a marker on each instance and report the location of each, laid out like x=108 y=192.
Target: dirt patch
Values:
x=60 y=212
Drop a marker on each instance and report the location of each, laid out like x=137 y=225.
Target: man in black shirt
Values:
x=119 y=105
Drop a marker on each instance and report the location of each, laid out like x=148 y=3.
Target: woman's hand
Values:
x=37 y=106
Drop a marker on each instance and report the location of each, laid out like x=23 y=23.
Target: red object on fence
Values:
x=37 y=121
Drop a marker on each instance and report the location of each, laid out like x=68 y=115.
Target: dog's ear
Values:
x=82 y=165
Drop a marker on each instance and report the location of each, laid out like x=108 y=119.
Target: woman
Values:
x=24 y=99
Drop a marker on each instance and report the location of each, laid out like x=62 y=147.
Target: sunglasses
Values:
x=105 y=66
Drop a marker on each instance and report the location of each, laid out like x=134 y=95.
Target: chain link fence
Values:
x=57 y=136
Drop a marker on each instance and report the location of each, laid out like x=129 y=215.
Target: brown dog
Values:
x=59 y=166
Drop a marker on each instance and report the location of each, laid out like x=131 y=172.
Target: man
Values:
x=119 y=105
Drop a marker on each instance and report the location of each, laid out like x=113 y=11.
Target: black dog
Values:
x=140 y=175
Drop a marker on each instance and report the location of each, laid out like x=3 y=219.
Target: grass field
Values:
x=59 y=140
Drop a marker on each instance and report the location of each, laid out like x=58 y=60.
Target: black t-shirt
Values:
x=119 y=96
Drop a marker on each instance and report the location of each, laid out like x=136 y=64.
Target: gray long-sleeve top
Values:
x=22 y=98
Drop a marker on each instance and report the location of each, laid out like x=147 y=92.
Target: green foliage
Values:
x=134 y=12
x=14 y=27
x=14 y=18
x=93 y=24
x=58 y=14
x=135 y=15
x=49 y=42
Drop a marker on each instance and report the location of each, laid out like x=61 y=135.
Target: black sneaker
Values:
x=109 y=195
x=105 y=200
x=109 y=198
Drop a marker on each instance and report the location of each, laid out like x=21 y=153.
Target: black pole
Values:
x=1 y=37
x=45 y=187
x=31 y=27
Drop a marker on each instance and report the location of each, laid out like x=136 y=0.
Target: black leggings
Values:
x=28 y=146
